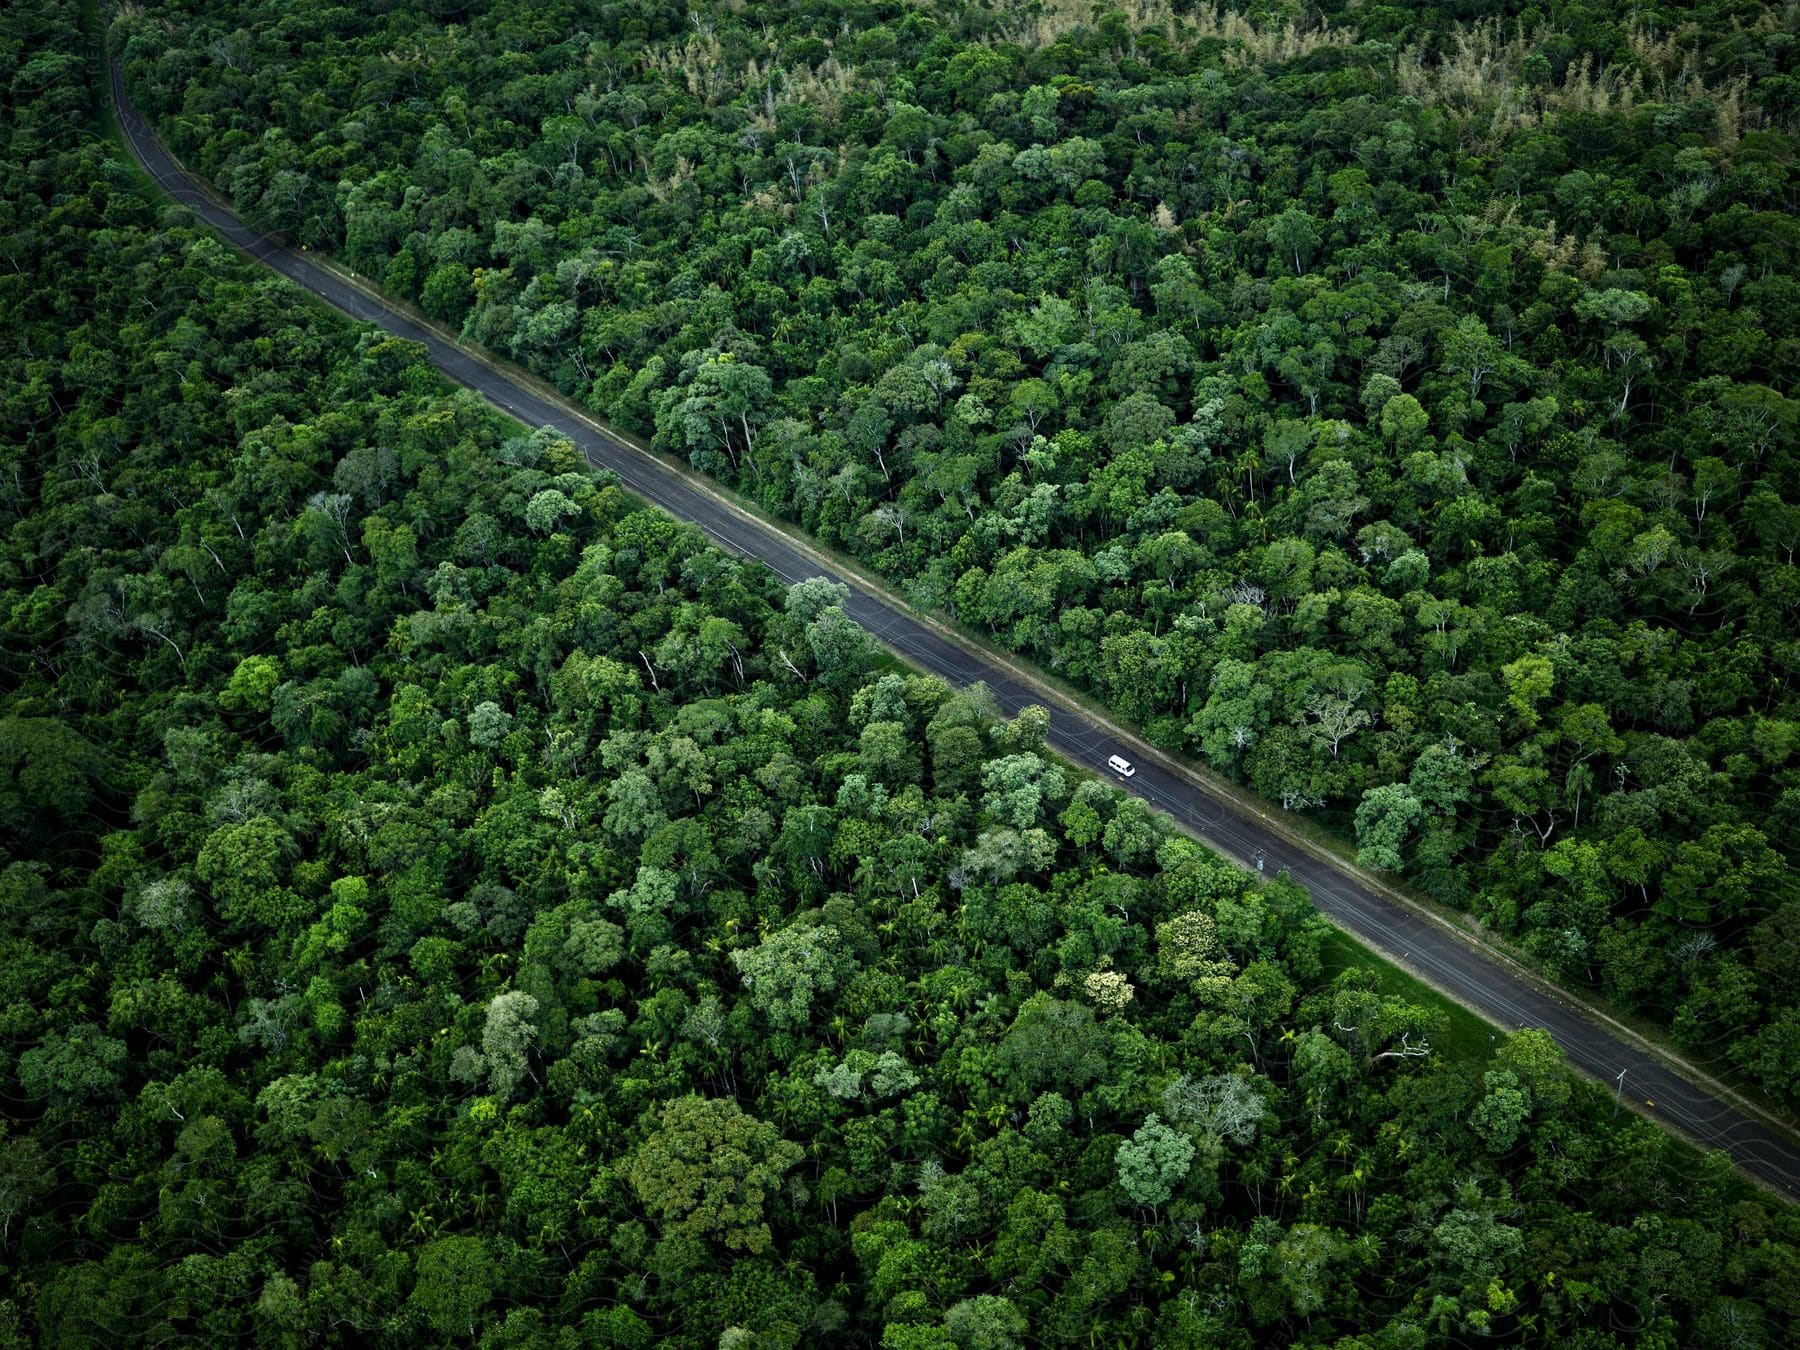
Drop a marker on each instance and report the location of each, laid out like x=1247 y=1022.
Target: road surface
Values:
x=1426 y=945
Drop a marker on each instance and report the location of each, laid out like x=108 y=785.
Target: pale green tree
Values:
x=1153 y=1162
x=709 y=1171
x=455 y=1282
x=792 y=968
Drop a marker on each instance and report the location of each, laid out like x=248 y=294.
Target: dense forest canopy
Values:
x=444 y=901
x=1392 y=405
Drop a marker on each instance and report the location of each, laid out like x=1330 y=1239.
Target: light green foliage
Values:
x=489 y=724
x=1020 y=788
x=1222 y=1108
x=83 y=1064
x=252 y=685
x=1153 y=1162
x=1474 y=1245
x=812 y=599
x=1500 y=1116
x=1528 y=681
x=242 y=862
x=708 y=1171
x=455 y=1282
x=863 y=1072
x=1535 y=1059
x=1301 y=1263
x=506 y=1041
x=790 y=969
x=1321 y=1065
x=1188 y=950
x=548 y=509
x=162 y=904
x=1385 y=820
x=986 y=1322
x=594 y=946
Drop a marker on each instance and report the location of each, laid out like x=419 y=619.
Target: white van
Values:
x=1121 y=766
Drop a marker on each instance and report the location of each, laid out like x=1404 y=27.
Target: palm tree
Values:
x=1249 y=463
x=1253 y=1172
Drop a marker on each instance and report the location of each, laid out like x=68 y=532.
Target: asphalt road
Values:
x=1425 y=945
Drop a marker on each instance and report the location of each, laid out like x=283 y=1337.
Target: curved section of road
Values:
x=1430 y=947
